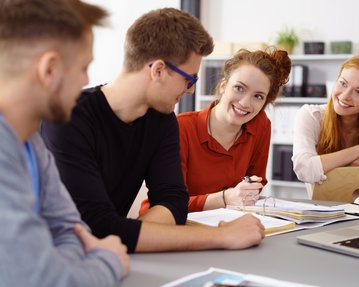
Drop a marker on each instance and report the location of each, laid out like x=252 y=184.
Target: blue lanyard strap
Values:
x=34 y=172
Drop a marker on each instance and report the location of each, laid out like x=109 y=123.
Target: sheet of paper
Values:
x=349 y=208
x=221 y=277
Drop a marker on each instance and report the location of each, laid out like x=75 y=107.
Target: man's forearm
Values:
x=158 y=237
x=158 y=214
x=241 y=233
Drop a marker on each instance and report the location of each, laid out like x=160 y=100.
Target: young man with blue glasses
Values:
x=126 y=132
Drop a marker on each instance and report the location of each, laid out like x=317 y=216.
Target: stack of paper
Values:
x=297 y=212
x=213 y=217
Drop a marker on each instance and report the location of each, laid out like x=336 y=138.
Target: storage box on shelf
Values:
x=322 y=70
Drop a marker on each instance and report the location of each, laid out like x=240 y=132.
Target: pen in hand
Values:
x=247 y=178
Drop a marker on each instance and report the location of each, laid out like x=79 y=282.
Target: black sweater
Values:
x=103 y=162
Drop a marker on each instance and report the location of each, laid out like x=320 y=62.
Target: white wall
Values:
x=232 y=21
x=108 y=47
x=260 y=20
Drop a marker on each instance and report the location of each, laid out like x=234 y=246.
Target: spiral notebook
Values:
x=299 y=212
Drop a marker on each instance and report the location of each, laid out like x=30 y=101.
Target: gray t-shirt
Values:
x=41 y=249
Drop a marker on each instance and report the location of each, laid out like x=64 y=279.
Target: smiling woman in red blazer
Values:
x=230 y=139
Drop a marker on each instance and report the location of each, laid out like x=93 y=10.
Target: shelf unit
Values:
x=324 y=57
x=303 y=100
x=323 y=69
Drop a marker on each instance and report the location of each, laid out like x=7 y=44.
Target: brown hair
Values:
x=275 y=64
x=24 y=20
x=330 y=138
x=169 y=34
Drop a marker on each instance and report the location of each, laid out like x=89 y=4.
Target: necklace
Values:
x=210 y=130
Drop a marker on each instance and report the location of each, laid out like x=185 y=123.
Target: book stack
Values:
x=297 y=212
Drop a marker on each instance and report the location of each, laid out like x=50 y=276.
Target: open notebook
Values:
x=213 y=217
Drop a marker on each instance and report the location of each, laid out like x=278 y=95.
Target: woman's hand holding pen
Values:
x=245 y=192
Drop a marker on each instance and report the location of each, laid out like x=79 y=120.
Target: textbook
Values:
x=297 y=212
x=213 y=217
x=221 y=277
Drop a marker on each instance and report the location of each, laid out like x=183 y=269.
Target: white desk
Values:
x=279 y=256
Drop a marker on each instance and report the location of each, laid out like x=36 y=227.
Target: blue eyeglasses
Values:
x=191 y=79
